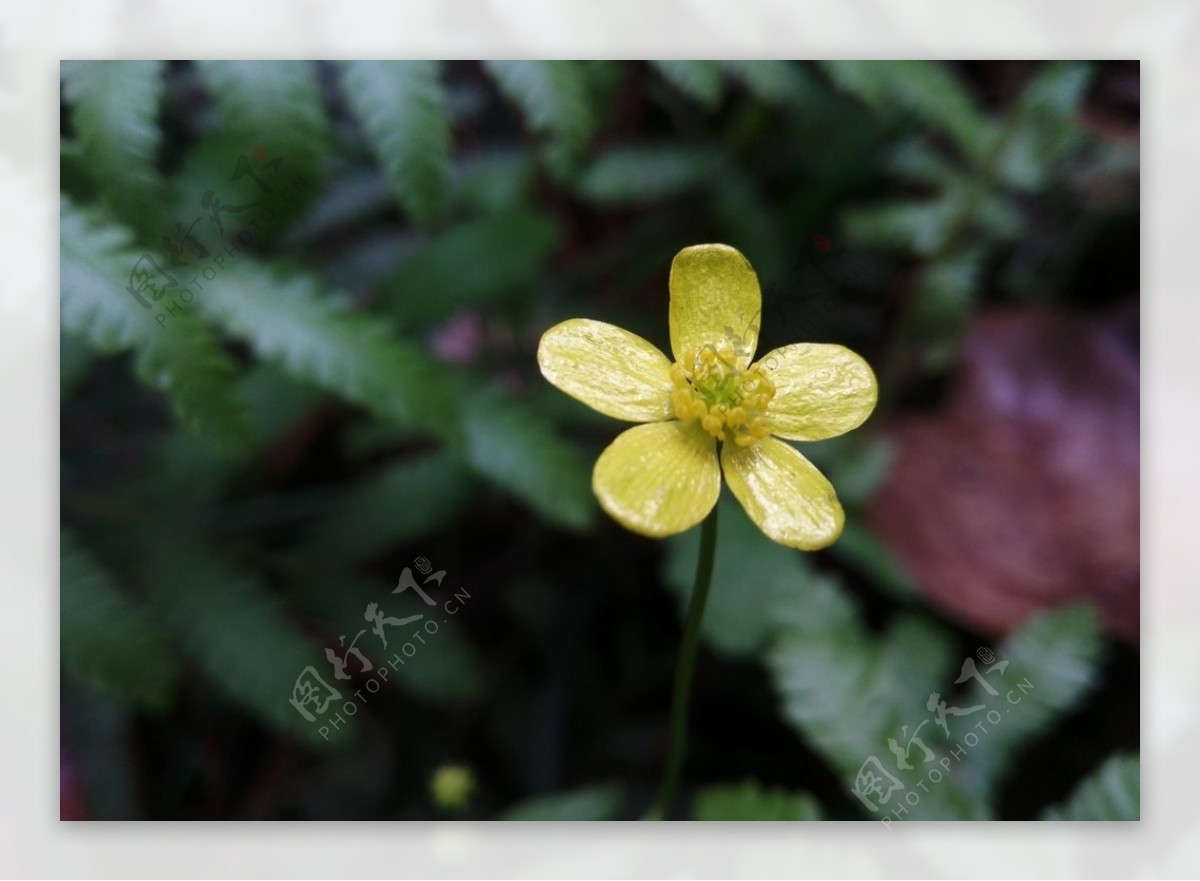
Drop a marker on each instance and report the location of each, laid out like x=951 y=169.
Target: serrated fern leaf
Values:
x=637 y=174
x=1112 y=792
x=174 y=352
x=114 y=111
x=510 y=444
x=1053 y=662
x=1046 y=127
x=920 y=227
x=292 y=321
x=275 y=106
x=925 y=89
x=401 y=106
x=554 y=99
x=847 y=690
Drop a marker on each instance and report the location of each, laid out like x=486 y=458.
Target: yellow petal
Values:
x=784 y=494
x=714 y=299
x=821 y=390
x=608 y=368
x=658 y=479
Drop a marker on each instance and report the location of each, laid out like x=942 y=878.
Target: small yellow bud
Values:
x=452 y=786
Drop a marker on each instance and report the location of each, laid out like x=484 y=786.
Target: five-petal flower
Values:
x=664 y=477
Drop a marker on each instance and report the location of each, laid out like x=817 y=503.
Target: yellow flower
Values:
x=663 y=477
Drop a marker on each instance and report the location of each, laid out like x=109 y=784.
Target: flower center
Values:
x=730 y=403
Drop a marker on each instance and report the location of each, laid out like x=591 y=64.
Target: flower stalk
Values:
x=685 y=665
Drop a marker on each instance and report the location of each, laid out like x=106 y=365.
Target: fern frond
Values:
x=275 y=106
x=637 y=174
x=401 y=106
x=1111 y=792
x=175 y=352
x=508 y=442
x=926 y=89
x=553 y=97
x=115 y=114
x=291 y=320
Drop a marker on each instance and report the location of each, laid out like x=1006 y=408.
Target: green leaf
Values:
x=349 y=199
x=847 y=691
x=1046 y=126
x=115 y=115
x=634 y=175
x=918 y=227
x=291 y=321
x=1053 y=663
x=865 y=80
x=275 y=402
x=472 y=263
x=237 y=633
x=919 y=162
x=224 y=201
x=274 y=107
x=444 y=669
x=106 y=639
x=511 y=444
x=699 y=80
x=495 y=181
x=947 y=291
x=751 y=801
x=599 y=802
x=1112 y=792
x=401 y=106
x=753 y=580
x=177 y=355
x=926 y=89
x=188 y=470
x=555 y=100
x=836 y=681
x=773 y=82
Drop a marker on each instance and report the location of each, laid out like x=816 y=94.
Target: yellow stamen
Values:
x=729 y=402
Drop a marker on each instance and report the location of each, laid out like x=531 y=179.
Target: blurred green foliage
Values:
x=355 y=261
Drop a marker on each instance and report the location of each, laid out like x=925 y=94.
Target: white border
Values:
x=32 y=40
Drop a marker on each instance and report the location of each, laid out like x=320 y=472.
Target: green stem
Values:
x=687 y=661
